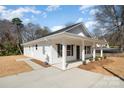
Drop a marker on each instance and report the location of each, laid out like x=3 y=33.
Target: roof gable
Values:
x=77 y=29
x=80 y=30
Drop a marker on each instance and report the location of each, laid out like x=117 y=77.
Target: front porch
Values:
x=73 y=49
x=67 y=63
x=74 y=63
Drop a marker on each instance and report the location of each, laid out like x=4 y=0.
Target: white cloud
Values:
x=51 y=8
x=19 y=12
x=83 y=7
x=27 y=9
x=54 y=28
x=79 y=20
x=2 y=8
x=90 y=24
x=93 y=11
x=27 y=20
x=6 y=13
x=44 y=14
x=86 y=8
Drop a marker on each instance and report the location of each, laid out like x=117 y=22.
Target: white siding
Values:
x=38 y=54
x=51 y=50
x=56 y=59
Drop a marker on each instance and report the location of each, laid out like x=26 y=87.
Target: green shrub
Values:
x=97 y=58
x=84 y=62
x=91 y=59
x=101 y=57
x=104 y=57
x=9 y=49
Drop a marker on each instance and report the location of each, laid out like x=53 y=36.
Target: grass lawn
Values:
x=9 y=66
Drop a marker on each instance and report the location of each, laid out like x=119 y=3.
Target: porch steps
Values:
x=69 y=65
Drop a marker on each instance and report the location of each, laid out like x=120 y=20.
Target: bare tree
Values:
x=18 y=23
x=34 y=31
x=110 y=22
x=11 y=36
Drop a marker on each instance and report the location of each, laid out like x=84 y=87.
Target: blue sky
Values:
x=55 y=17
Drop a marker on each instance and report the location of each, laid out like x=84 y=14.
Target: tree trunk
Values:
x=19 y=47
x=19 y=39
x=122 y=39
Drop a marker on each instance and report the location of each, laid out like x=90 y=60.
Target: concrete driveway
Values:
x=53 y=77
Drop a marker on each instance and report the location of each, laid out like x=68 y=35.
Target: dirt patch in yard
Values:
x=97 y=66
x=41 y=63
x=117 y=67
x=114 y=54
x=9 y=65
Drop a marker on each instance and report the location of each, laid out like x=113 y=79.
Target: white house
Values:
x=72 y=43
x=106 y=45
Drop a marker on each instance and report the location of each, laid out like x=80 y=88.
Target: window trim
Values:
x=36 y=47
x=29 y=47
x=70 y=50
x=59 y=50
x=88 y=50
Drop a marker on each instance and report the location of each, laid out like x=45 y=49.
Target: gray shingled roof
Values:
x=62 y=30
x=66 y=29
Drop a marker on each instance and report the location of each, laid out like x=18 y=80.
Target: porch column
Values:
x=64 y=57
x=83 y=51
x=101 y=51
x=94 y=51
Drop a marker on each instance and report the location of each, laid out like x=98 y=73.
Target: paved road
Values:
x=53 y=77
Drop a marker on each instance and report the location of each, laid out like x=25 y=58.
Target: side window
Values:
x=87 y=49
x=36 y=46
x=72 y=50
x=59 y=50
x=69 y=50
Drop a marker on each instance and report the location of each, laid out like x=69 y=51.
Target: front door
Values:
x=78 y=52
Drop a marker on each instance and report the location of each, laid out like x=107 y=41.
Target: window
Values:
x=36 y=46
x=87 y=49
x=59 y=50
x=69 y=50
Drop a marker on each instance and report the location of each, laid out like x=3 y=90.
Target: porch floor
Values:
x=68 y=65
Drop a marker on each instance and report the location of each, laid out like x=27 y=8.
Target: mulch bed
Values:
x=97 y=66
x=41 y=63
